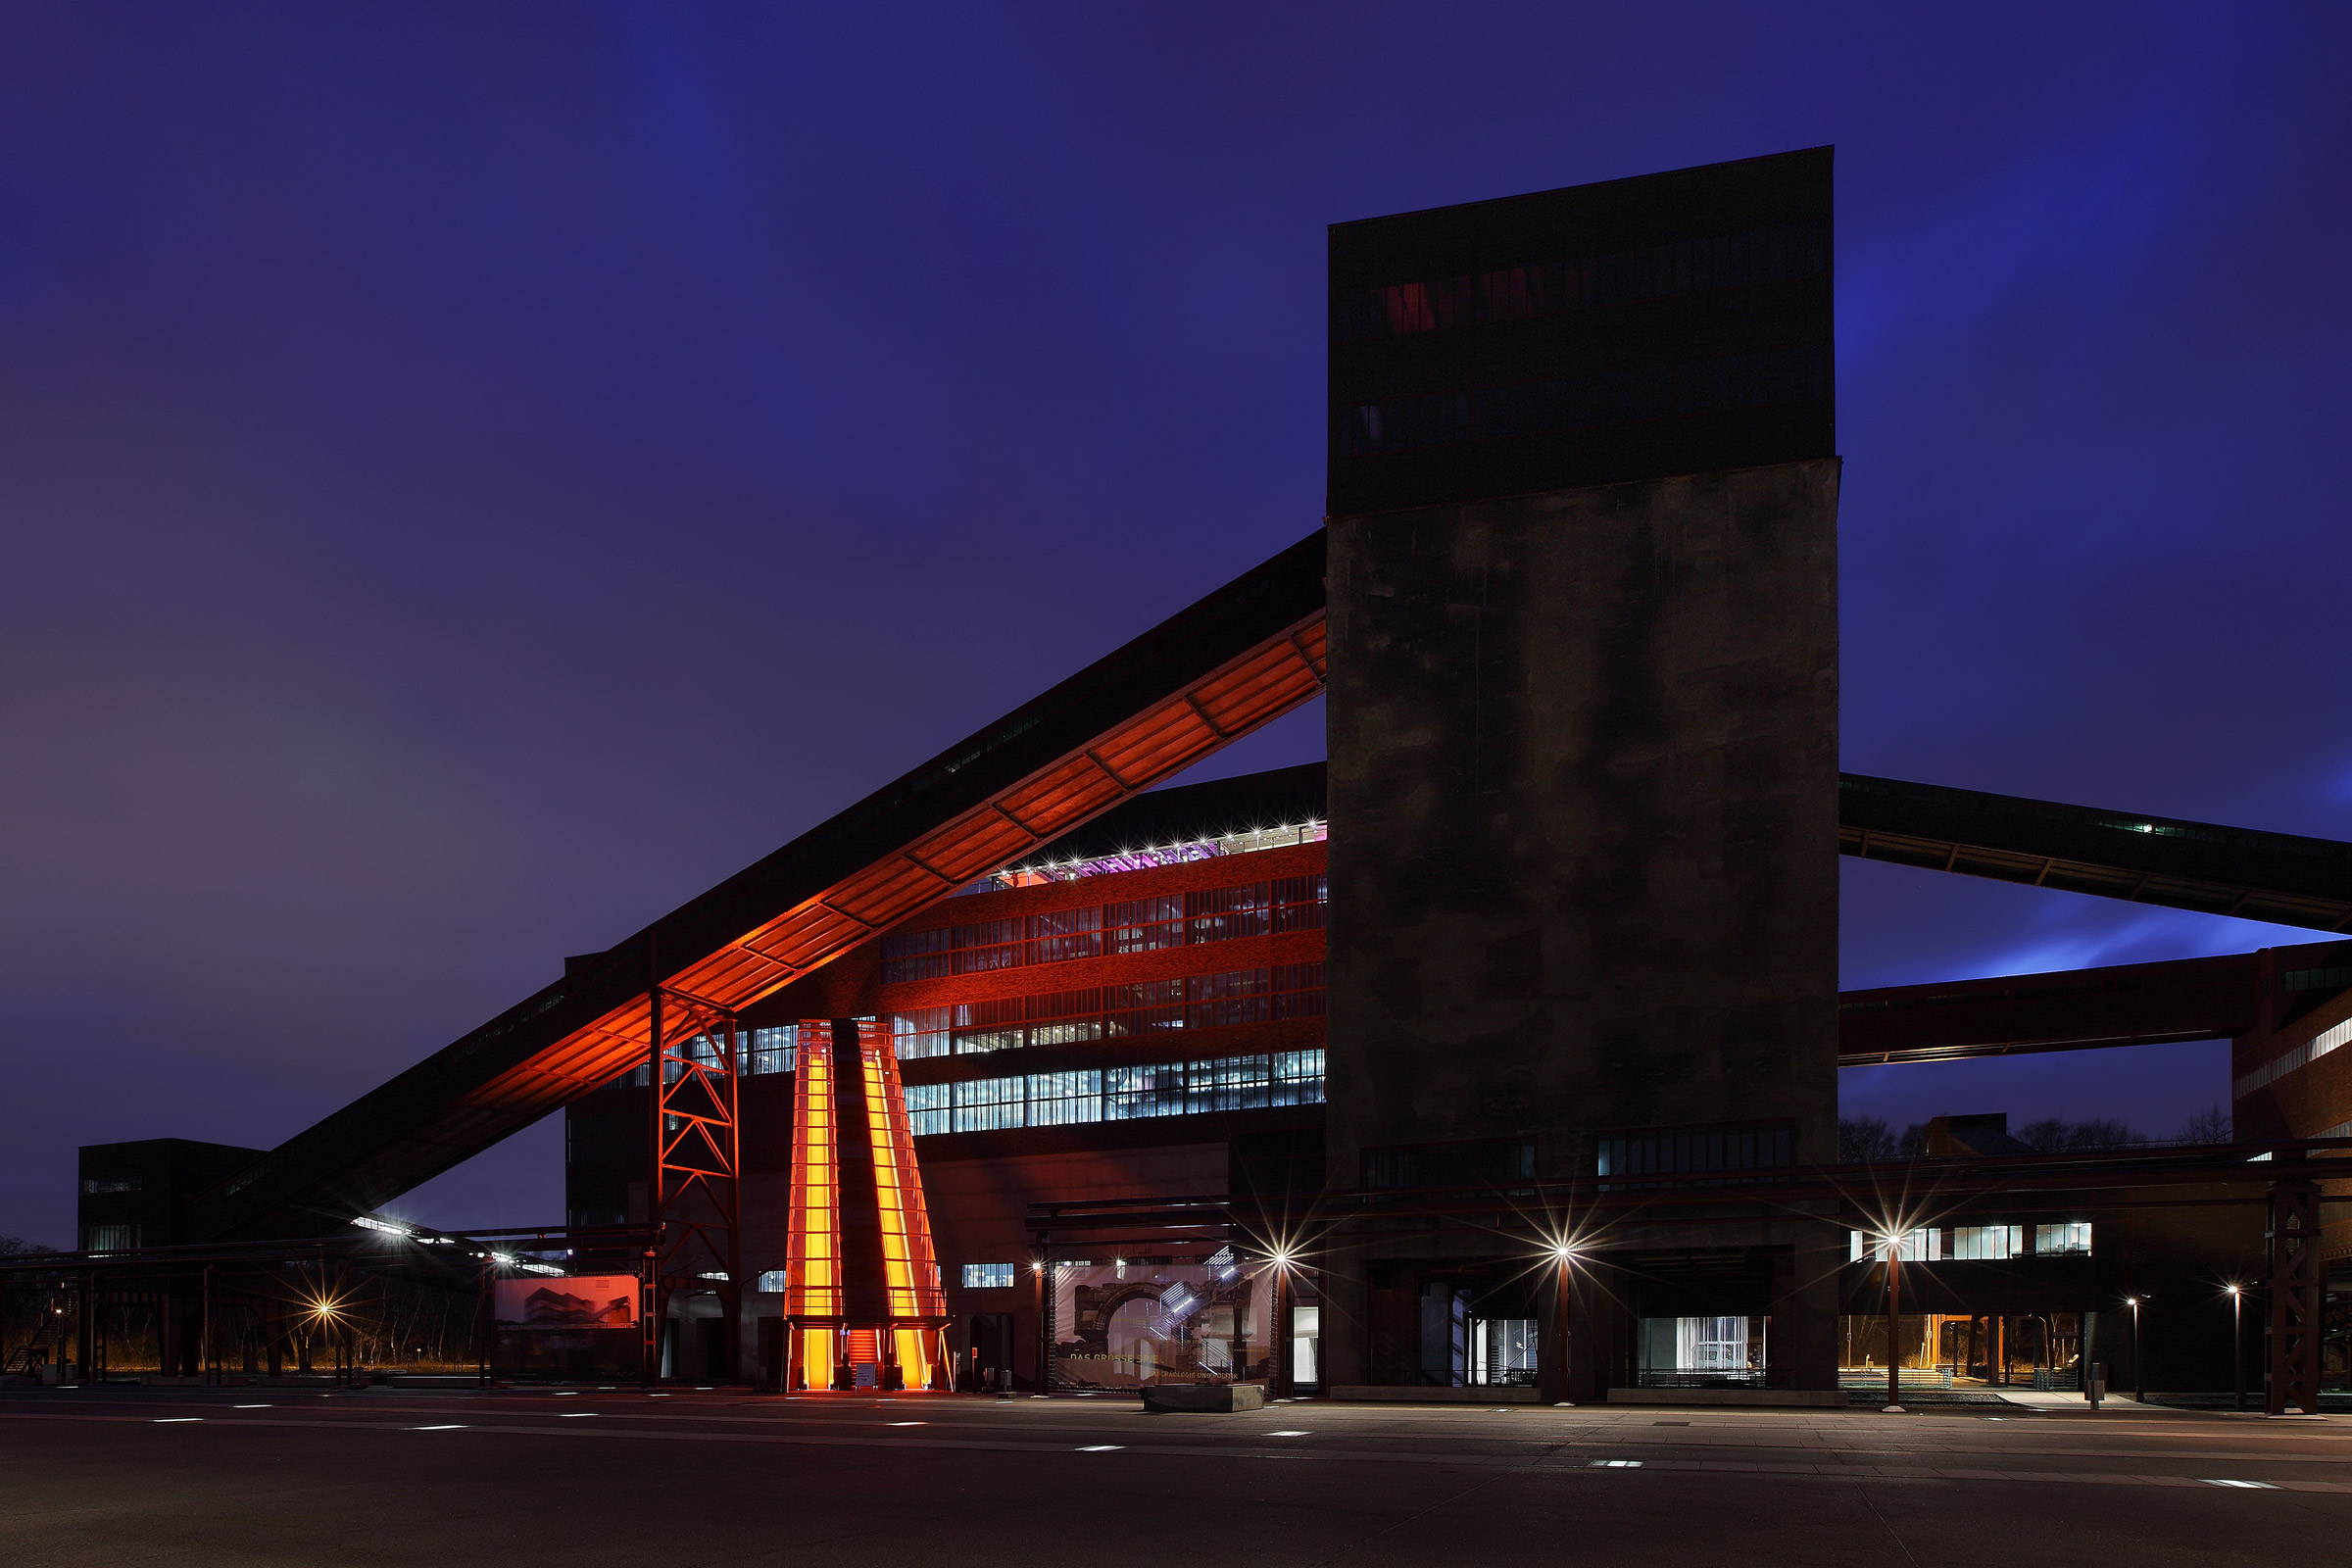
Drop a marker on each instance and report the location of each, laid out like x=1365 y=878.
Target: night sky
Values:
x=472 y=476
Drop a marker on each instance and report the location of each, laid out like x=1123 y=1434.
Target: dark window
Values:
x=1497 y=1163
x=1067 y=934
x=1695 y=1151
x=1144 y=925
x=1547 y=288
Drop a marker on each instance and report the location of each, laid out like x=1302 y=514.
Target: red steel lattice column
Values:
x=693 y=1186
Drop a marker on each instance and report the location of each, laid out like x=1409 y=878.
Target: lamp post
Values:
x=1895 y=1317
x=2237 y=1349
x=2139 y=1379
x=1277 y=1332
x=1561 y=1299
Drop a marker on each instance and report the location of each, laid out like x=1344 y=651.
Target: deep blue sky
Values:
x=471 y=477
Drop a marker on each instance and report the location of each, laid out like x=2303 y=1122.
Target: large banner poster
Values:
x=586 y=1302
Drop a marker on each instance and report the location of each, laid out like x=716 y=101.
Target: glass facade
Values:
x=1938 y=1349
x=1974 y=1242
x=1117 y=1094
x=1703 y=1350
x=1141 y=1321
x=1093 y=931
x=1270 y=994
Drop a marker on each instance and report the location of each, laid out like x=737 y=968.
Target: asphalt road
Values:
x=131 y=1476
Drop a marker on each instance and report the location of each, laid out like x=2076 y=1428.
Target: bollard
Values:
x=2097 y=1386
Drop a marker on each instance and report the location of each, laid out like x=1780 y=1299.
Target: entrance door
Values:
x=991 y=1348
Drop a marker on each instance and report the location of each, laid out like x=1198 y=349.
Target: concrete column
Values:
x=1804 y=1314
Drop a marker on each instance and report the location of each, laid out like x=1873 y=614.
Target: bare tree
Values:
x=19 y=1246
x=2211 y=1125
x=2101 y=1132
x=1862 y=1139
x=2048 y=1134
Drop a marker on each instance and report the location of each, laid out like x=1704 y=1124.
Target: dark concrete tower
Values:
x=1583 y=738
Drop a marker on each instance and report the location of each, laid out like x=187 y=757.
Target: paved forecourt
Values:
x=594 y=1476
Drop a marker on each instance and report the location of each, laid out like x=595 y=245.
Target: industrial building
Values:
x=1495 y=1057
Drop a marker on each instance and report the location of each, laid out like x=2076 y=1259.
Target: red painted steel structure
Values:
x=838 y=1316
x=694 y=1185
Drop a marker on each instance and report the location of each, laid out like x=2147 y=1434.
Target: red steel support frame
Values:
x=693 y=1176
x=2296 y=1275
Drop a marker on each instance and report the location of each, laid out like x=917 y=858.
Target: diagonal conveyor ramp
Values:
x=1247 y=653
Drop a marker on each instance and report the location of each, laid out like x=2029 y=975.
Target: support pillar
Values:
x=1555 y=1316
x=693 y=1186
x=1804 y=1351
x=2296 y=1279
x=1279 y=1331
x=85 y=1325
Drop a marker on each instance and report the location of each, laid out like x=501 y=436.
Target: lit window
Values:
x=928 y=1109
x=772 y=1049
x=2067 y=1236
x=988 y=1276
x=922 y=1032
x=770 y=1281
x=986 y=1105
x=1058 y=1099
x=1919 y=1247
x=1979 y=1241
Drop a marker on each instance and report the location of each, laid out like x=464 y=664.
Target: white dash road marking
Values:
x=1101 y=1448
x=253 y=1407
x=453 y=1426
x=173 y=1420
x=1285 y=1433
x=905 y=1423
x=575 y=1415
x=2251 y=1486
x=1616 y=1464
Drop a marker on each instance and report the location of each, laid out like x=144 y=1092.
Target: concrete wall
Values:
x=1584 y=795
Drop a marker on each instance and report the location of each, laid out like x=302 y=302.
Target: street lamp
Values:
x=2237 y=1348
x=1894 y=1316
x=1562 y=1305
x=2139 y=1377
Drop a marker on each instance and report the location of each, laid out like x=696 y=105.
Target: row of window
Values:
x=2309 y=1052
x=1695 y=1151
x=1547 y=288
x=1112 y=1013
x=1117 y=1094
x=1268 y=994
x=1136 y=925
x=1966 y=1243
x=1486 y=1164
x=1611 y=397
x=757 y=1051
